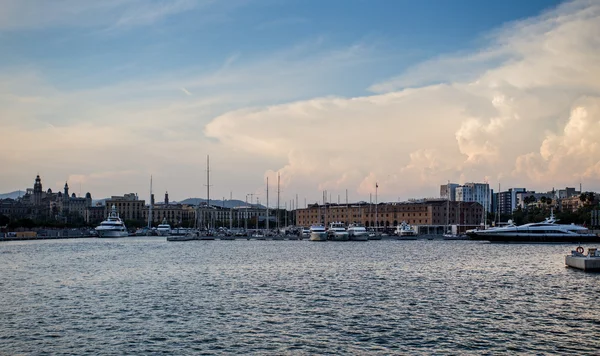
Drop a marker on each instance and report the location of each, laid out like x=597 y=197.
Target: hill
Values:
x=12 y=195
x=227 y=203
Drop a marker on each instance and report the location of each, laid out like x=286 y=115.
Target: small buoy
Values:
x=579 y=249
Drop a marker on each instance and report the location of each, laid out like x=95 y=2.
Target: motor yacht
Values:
x=113 y=226
x=164 y=229
x=547 y=231
x=357 y=232
x=337 y=232
x=405 y=232
x=318 y=233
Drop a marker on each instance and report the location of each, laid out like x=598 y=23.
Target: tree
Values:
x=4 y=220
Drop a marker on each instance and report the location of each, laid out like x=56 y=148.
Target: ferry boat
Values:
x=164 y=229
x=357 y=232
x=405 y=232
x=318 y=233
x=113 y=226
x=547 y=231
x=337 y=232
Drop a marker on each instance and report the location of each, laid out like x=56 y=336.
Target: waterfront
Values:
x=144 y=295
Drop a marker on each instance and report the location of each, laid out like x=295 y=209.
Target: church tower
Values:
x=37 y=191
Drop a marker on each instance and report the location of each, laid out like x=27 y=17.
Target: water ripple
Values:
x=144 y=295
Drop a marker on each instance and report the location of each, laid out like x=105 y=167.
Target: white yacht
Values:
x=305 y=233
x=318 y=233
x=337 y=232
x=357 y=232
x=405 y=232
x=164 y=229
x=113 y=226
x=547 y=231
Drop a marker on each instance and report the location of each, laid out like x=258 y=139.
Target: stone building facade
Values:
x=433 y=212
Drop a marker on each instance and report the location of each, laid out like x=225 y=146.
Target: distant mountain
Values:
x=99 y=201
x=12 y=195
x=227 y=204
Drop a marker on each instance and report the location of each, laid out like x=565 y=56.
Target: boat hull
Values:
x=359 y=237
x=112 y=233
x=534 y=238
x=338 y=237
x=318 y=236
x=588 y=264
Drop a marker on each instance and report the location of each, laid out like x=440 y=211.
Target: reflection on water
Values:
x=144 y=295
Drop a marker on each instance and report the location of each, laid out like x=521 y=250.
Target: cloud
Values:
x=523 y=109
x=507 y=118
x=186 y=92
x=110 y=14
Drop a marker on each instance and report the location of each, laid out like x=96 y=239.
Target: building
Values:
x=14 y=208
x=435 y=213
x=571 y=204
x=245 y=216
x=128 y=206
x=507 y=201
x=94 y=215
x=475 y=192
x=448 y=191
x=48 y=205
x=73 y=206
x=567 y=193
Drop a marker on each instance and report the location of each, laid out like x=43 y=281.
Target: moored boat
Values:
x=318 y=233
x=588 y=263
x=405 y=232
x=357 y=232
x=337 y=232
x=113 y=226
x=163 y=229
x=547 y=231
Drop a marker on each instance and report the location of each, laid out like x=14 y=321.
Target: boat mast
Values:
x=278 y=192
x=447 y=205
x=267 y=210
x=230 y=211
x=150 y=209
x=208 y=190
x=376 y=217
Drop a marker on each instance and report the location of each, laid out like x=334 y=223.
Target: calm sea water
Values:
x=148 y=296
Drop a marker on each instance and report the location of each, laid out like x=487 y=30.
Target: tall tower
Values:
x=65 y=202
x=37 y=191
x=166 y=198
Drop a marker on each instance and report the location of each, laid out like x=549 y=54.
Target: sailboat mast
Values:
x=150 y=209
x=278 y=193
x=447 y=205
x=208 y=190
x=267 y=210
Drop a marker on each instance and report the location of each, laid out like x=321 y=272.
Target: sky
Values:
x=331 y=95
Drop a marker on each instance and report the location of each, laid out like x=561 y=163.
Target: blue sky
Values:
x=461 y=90
x=203 y=37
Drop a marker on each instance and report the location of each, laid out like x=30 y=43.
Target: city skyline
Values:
x=404 y=95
